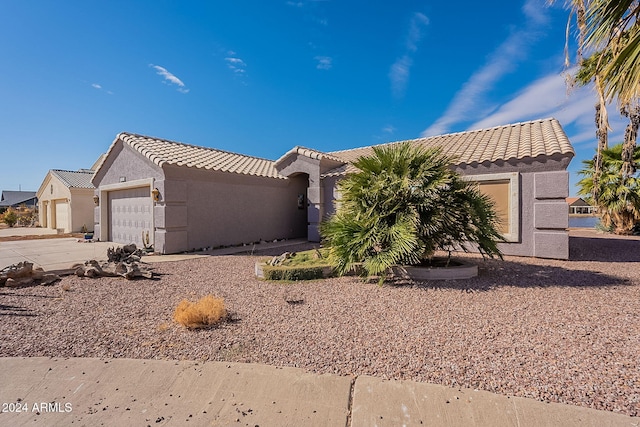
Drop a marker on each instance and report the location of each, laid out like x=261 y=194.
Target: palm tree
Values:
x=610 y=30
x=402 y=205
x=612 y=26
x=618 y=199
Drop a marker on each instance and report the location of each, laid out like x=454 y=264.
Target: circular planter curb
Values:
x=456 y=272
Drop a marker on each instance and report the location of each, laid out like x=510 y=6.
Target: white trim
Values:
x=127 y=184
x=104 y=190
x=513 y=235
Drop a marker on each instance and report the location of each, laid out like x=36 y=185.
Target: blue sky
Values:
x=259 y=77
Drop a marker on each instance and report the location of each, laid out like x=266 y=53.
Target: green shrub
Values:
x=292 y=273
x=405 y=203
x=10 y=217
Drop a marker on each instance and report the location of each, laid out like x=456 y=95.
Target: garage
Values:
x=62 y=215
x=130 y=212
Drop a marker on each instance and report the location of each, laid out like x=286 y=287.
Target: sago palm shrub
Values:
x=403 y=204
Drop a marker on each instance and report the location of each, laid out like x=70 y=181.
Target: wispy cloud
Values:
x=388 y=129
x=545 y=96
x=303 y=3
x=400 y=70
x=170 y=78
x=503 y=60
x=312 y=11
x=236 y=64
x=100 y=88
x=548 y=97
x=324 y=62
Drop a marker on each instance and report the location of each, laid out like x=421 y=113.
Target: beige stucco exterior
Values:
x=67 y=209
x=198 y=208
x=188 y=197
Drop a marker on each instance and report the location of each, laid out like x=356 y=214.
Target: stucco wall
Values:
x=122 y=163
x=543 y=185
x=79 y=201
x=82 y=206
x=51 y=190
x=543 y=211
x=201 y=208
x=315 y=199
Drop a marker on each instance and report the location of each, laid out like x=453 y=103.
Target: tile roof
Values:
x=310 y=153
x=162 y=151
x=515 y=141
x=15 y=198
x=74 y=179
x=571 y=200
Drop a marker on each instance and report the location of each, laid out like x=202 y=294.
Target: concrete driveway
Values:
x=49 y=253
x=62 y=252
x=52 y=254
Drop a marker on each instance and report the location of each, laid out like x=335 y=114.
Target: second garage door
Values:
x=62 y=215
x=130 y=213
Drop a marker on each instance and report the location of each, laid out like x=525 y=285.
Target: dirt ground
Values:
x=36 y=236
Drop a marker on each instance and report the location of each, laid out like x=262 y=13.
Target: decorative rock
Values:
x=278 y=260
x=124 y=261
x=23 y=274
x=16 y=271
x=12 y=283
x=124 y=253
x=48 y=279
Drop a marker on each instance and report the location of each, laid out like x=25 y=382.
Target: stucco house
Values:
x=65 y=200
x=578 y=206
x=16 y=199
x=189 y=197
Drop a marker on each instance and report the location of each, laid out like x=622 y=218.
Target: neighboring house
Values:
x=66 y=200
x=16 y=199
x=577 y=206
x=189 y=197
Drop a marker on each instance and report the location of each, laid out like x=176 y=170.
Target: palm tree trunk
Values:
x=602 y=133
x=630 y=137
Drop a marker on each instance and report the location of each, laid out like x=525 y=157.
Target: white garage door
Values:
x=62 y=215
x=130 y=215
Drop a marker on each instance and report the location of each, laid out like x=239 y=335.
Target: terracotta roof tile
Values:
x=502 y=143
x=511 y=142
x=162 y=151
x=572 y=200
x=308 y=152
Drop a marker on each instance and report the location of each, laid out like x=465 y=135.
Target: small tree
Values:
x=403 y=205
x=617 y=194
x=10 y=217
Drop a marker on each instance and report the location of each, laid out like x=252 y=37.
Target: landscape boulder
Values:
x=123 y=261
x=23 y=274
x=278 y=260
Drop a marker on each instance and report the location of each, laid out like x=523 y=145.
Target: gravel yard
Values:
x=551 y=330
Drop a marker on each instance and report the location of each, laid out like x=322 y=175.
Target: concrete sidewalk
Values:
x=90 y=392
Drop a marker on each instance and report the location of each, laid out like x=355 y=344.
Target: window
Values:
x=503 y=188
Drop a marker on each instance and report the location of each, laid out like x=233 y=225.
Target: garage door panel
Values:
x=131 y=215
x=62 y=214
